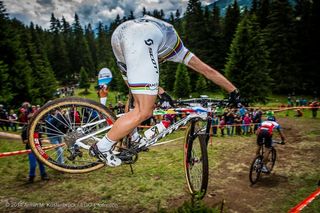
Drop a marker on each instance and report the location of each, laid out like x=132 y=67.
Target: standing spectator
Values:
x=3 y=117
x=33 y=109
x=110 y=107
x=257 y=119
x=242 y=111
x=222 y=125
x=246 y=122
x=119 y=108
x=103 y=94
x=23 y=113
x=238 y=122
x=251 y=127
x=72 y=91
x=32 y=158
x=290 y=103
x=215 y=124
x=219 y=111
x=54 y=138
x=314 y=107
x=229 y=118
x=299 y=113
x=13 y=119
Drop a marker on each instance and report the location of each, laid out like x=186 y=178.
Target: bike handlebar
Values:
x=279 y=142
x=204 y=102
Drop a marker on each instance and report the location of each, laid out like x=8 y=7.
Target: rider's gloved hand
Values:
x=234 y=98
x=282 y=141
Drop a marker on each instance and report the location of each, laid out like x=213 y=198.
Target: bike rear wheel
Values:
x=196 y=159
x=255 y=169
x=54 y=129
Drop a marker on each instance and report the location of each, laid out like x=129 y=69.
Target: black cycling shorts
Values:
x=266 y=136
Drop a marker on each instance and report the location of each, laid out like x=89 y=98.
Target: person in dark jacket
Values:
x=32 y=158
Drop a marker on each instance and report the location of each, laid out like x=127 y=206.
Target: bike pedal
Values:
x=92 y=152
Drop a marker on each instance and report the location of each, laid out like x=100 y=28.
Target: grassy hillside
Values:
x=158 y=181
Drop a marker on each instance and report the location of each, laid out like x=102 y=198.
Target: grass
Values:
x=158 y=176
x=93 y=94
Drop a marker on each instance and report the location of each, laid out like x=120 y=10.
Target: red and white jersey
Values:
x=270 y=126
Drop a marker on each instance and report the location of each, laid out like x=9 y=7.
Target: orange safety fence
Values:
x=305 y=202
x=3 y=134
x=7 y=154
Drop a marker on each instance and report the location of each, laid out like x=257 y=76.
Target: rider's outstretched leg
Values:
x=144 y=105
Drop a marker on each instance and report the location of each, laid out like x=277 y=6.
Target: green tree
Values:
x=131 y=16
x=58 y=54
x=103 y=46
x=196 y=34
x=117 y=82
x=279 y=35
x=5 y=87
x=248 y=62
x=14 y=58
x=84 y=80
x=41 y=68
x=231 y=21
x=81 y=56
x=263 y=12
x=90 y=37
x=202 y=85
x=182 y=82
x=307 y=43
x=217 y=45
x=166 y=76
x=115 y=23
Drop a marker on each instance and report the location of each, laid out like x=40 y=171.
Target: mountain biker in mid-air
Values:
x=264 y=132
x=139 y=46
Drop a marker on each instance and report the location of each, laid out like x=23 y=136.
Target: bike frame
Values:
x=202 y=114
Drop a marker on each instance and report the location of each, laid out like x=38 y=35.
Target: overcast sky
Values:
x=89 y=11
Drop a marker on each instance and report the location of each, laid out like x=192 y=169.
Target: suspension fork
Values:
x=190 y=139
x=208 y=127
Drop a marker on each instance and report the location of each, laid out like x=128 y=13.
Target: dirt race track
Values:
x=230 y=181
x=294 y=177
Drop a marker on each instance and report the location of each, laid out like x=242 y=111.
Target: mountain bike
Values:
x=78 y=123
x=257 y=163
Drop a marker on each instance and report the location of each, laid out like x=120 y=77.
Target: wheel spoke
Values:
x=63 y=128
x=197 y=169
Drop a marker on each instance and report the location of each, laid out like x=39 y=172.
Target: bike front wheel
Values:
x=255 y=169
x=196 y=159
x=271 y=159
x=55 y=128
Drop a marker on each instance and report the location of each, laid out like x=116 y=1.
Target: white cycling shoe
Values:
x=108 y=157
x=264 y=169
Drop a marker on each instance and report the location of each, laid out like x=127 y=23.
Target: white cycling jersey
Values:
x=139 y=45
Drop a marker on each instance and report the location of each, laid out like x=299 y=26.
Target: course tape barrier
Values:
x=165 y=142
x=172 y=111
x=7 y=154
x=10 y=135
x=305 y=202
x=14 y=136
x=11 y=121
